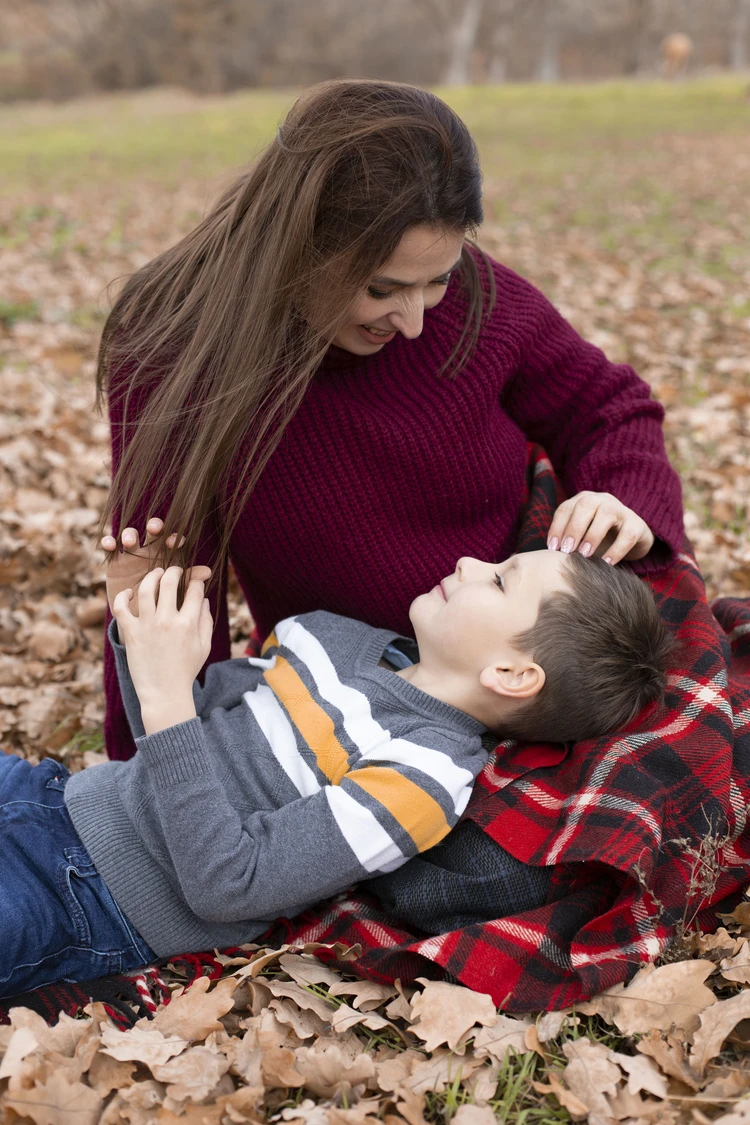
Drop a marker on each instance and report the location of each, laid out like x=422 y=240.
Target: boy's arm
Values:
x=234 y=865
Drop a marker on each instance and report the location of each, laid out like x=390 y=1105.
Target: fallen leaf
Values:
x=303 y=998
x=306 y=969
x=474 y=1115
x=279 y=1069
x=737 y=967
x=22 y=1042
x=715 y=1025
x=305 y=1024
x=590 y=1075
x=56 y=1102
x=345 y=1018
x=446 y=1012
x=566 y=1098
x=193 y=1075
x=327 y=1064
x=195 y=1013
x=672 y=996
x=669 y=1057
x=504 y=1034
x=643 y=1074
x=366 y=993
x=139 y=1044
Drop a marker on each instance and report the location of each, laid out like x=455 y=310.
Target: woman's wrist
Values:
x=159 y=714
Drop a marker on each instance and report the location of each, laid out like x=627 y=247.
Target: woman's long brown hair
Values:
x=212 y=344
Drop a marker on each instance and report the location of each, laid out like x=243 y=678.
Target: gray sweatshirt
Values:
x=306 y=770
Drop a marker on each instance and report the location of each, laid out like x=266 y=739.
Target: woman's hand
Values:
x=128 y=566
x=166 y=646
x=595 y=523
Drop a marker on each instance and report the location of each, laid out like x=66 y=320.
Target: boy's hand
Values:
x=166 y=646
x=132 y=562
x=595 y=522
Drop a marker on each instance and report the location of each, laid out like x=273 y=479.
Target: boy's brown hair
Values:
x=604 y=650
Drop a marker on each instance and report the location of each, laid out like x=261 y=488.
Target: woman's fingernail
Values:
x=553 y=544
x=568 y=545
x=607 y=559
x=586 y=549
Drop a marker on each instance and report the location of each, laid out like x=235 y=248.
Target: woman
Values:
x=329 y=383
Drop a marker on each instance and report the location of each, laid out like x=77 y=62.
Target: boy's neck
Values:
x=436 y=686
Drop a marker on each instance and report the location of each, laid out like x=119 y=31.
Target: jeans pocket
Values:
x=76 y=867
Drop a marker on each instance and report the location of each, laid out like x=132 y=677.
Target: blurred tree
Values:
x=740 y=27
x=550 y=20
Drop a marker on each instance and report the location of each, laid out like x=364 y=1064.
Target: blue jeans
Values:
x=58 y=921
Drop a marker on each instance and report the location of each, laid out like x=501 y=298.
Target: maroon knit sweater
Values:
x=388 y=473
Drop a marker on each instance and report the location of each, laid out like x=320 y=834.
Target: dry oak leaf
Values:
x=715 y=1026
x=304 y=1024
x=672 y=996
x=303 y=998
x=482 y=1084
x=441 y=1069
x=307 y=1112
x=737 y=967
x=393 y=1072
x=193 y=1075
x=195 y=1013
x=642 y=1072
x=56 y=1102
x=367 y=994
x=505 y=1033
x=328 y=1064
x=278 y=1068
x=474 y=1115
x=551 y=1024
x=568 y=1100
x=446 y=1012
x=591 y=1076
x=107 y=1074
x=669 y=1057
x=22 y=1042
x=66 y=1034
x=138 y=1044
x=345 y=1018
x=191 y=1115
x=136 y=1104
x=306 y=969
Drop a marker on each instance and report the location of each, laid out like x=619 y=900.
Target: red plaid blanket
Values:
x=646 y=831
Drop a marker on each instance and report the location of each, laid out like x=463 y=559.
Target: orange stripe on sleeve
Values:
x=417 y=812
x=271 y=641
x=313 y=723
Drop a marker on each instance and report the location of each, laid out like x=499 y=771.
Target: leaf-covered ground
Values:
x=630 y=206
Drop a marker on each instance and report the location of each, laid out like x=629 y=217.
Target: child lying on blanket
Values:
x=329 y=759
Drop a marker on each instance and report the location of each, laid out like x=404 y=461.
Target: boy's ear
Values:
x=520 y=682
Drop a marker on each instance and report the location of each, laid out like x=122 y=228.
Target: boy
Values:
x=329 y=759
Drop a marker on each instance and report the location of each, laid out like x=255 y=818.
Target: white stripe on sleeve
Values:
x=278 y=730
x=364 y=834
x=456 y=780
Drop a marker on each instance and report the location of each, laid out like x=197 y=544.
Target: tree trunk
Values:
x=464 y=37
x=740 y=29
x=548 y=65
x=499 y=43
x=641 y=12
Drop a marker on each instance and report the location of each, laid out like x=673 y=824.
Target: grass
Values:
x=534 y=129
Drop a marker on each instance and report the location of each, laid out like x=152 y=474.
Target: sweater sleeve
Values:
x=233 y=863
x=117 y=734
x=596 y=419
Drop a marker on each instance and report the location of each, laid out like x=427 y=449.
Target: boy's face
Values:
x=467 y=621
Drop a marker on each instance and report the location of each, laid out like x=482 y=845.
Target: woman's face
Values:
x=413 y=279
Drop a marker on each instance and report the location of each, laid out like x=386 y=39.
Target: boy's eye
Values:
x=499 y=582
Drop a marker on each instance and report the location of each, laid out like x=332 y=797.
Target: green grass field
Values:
x=539 y=130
